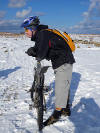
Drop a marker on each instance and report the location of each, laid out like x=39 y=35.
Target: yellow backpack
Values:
x=66 y=37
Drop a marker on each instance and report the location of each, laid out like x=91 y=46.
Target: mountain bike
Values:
x=37 y=93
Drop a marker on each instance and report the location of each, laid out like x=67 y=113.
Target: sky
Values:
x=72 y=16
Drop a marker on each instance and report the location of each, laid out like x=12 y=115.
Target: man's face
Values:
x=28 y=32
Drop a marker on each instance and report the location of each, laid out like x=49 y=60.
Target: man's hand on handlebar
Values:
x=31 y=52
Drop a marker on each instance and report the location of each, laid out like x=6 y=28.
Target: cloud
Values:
x=24 y=13
x=16 y=3
x=91 y=27
x=39 y=13
x=14 y=22
x=93 y=9
x=2 y=14
x=91 y=20
x=10 y=26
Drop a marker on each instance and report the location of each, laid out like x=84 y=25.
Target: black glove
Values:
x=31 y=52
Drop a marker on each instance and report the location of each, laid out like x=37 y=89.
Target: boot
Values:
x=53 y=118
x=66 y=111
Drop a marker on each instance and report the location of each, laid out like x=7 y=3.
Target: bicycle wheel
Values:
x=40 y=104
x=32 y=88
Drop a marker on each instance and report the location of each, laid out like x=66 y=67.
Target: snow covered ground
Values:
x=16 y=76
x=89 y=37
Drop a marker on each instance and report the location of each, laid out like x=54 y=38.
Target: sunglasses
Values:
x=26 y=29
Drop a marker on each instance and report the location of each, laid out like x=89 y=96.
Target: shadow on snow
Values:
x=74 y=85
x=85 y=115
x=5 y=73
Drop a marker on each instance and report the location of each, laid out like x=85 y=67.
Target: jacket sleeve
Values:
x=42 y=44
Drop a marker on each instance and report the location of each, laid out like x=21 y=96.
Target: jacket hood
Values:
x=39 y=28
x=42 y=27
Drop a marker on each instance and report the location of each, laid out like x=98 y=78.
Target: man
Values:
x=51 y=46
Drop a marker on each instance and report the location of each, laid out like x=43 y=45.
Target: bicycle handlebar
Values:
x=38 y=59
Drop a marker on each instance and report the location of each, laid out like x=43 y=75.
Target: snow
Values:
x=88 y=37
x=16 y=77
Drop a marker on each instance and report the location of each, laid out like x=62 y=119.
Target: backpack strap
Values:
x=49 y=44
x=65 y=36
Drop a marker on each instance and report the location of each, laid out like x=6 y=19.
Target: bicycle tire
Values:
x=40 y=109
x=32 y=88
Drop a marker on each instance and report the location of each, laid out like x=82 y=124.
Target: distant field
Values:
x=7 y=34
x=77 y=38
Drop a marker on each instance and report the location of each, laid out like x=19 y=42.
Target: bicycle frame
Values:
x=36 y=93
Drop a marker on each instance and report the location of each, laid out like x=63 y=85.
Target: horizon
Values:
x=81 y=16
x=24 y=33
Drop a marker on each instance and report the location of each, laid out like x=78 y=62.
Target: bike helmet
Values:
x=31 y=21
